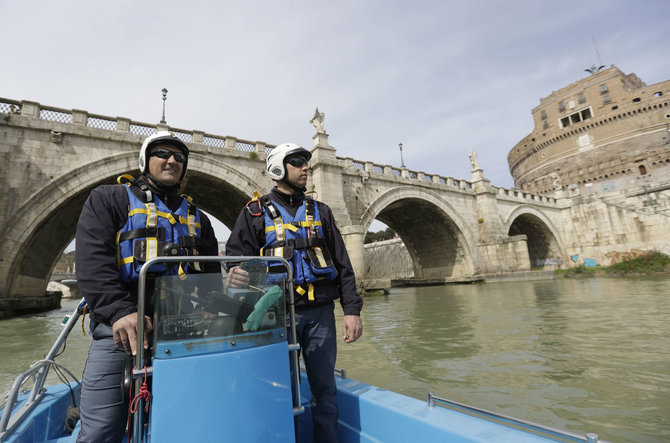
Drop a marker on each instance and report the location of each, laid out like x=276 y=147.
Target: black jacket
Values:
x=248 y=237
x=103 y=215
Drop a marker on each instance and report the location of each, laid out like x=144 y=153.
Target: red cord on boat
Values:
x=143 y=393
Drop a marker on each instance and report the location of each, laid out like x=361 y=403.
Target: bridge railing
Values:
x=525 y=195
x=375 y=168
x=389 y=170
x=121 y=124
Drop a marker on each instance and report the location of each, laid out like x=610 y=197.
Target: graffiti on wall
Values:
x=548 y=262
x=618 y=257
x=590 y=262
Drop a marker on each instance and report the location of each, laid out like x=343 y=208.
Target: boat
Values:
x=220 y=367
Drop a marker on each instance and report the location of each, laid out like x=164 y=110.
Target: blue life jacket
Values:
x=298 y=239
x=153 y=230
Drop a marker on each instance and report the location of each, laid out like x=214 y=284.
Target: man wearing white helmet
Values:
x=107 y=268
x=303 y=231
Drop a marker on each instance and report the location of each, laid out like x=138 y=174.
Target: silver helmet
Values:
x=275 y=161
x=161 y=138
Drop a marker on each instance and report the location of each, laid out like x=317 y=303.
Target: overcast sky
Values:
x=441 y=77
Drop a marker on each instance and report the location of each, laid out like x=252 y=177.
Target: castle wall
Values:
x=608 y=129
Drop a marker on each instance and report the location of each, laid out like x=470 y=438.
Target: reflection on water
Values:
x=589 y=355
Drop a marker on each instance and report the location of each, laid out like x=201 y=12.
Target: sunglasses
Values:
x=166 y=154
x=296 y=162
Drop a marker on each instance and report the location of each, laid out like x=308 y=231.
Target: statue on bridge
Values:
x=473 y=159
x=317 y=121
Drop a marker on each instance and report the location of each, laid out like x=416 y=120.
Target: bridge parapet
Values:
x=122 y=124
x=516 y=193
x=393 y=171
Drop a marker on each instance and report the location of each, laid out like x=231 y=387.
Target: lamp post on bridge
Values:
x=164 y=91
x=402 y=162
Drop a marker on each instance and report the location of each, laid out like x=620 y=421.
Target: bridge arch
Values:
x=46 y=224
x=543 y=239
x=437 y=238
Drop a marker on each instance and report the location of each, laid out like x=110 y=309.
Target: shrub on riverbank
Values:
x=649 y=263
x=652 y=262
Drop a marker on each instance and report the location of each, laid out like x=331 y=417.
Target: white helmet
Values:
x=162 y=138
x=275 y=161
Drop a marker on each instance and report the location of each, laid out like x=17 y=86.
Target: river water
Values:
x=585 y=355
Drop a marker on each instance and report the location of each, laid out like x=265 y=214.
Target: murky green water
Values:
x=587 y=355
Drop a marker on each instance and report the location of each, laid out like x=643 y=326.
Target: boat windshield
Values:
x=202 y=307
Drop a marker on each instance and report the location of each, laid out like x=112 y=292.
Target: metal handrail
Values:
x=141 y=290
x=514 y=422
x=10 y=420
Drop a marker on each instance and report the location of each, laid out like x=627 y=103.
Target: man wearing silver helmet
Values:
x=286 y=222
x=148 y=214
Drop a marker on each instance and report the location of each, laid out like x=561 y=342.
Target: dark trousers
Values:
x=316 y=333
x=103 y=412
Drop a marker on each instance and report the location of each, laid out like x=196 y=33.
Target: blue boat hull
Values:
x=367 y=414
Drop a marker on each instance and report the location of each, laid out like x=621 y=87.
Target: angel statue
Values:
x=473 y=159
x=317 y=121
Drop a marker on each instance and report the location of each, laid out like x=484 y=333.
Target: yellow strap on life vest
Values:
x=181 y=273
x=165 y=215
x=185 y=221
x=152 y=248
x=126 y=260
x=310 y=223
x=152 y=215
x=288 y=226
x=83 y=316
x=310 y=291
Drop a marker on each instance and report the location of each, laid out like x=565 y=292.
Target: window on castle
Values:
x=643 y=170
x=545 y=124
x=576 y=117
x=607 y=99
x=561 y=106
x=603 y=89
x=636 y=100
x=581 y=98
x=543 y=114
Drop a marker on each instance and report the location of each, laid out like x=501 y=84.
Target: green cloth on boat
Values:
x=261 y=307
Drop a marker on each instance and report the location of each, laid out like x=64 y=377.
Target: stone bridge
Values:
x=452 y=228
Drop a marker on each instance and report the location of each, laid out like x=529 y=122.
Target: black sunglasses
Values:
x=296 y=161
x=166 y=153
